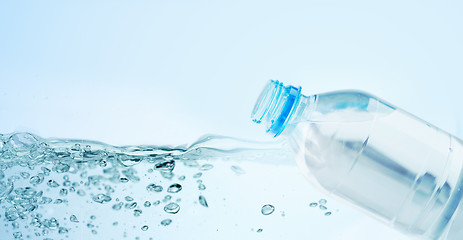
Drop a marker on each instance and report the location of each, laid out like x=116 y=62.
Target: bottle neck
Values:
x=279 y=106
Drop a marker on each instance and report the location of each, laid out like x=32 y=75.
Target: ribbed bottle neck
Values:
x=278 y=105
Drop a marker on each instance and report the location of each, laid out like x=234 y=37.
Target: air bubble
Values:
x=154 y=188
x=17 y=234
x=63 y=230
x=117 y=206
x=174 y=188
x=137 y=212
x=172 y=208
x=202 y=201
x=52 y=183
x=206 y=167
x=267 y=209
x=34 y=180
x=131 y=205
x=73 y=218
x=201 y=187
x=166 y=222
x=101 y=198
x=124 y=180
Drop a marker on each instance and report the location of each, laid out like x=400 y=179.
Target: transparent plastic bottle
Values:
x=361 y=149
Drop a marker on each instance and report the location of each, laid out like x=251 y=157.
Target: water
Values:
x=59 y=189
x=267 y=209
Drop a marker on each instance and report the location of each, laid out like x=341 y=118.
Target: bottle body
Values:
x=379 y=158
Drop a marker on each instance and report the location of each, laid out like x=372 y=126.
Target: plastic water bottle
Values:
x=381 y=159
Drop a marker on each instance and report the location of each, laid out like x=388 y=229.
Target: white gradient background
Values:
x=167 y=72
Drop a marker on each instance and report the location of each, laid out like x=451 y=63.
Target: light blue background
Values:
x=167 y=72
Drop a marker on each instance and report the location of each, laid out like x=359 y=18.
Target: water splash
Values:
x=30 y=168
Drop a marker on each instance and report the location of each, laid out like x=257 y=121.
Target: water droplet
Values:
x=202 y=201
x=147 y=204
x=117 y=206
x=197 y=175
x=267 y=209
x=322 y=201
x=167 y=175
x=102 y=163
x=93 y=217
x=17 y=234
x=156 y=202
x=94 y=232
x=63 y=230
x=124 y=180
x=51 y=223
x=61 y=168
x=206 y=167
x=63 y=192
x=131 y=205
x=168 y=166
x=201 y=187
x=11 y=214
x=144 y=228
x=81 y=192
x=128 y=198
x=15 y=225
x=327 y=213
x=322 y=207
x=154 y=188
x=174 y=188
x=73 y=218
x=46 y=200
x=181 y=178
x=314 y=204
x=24 y=175
x=172 y=208
x=260 y=230
x=45 y=171
x=167 y=198
x=109 y=189
x=166 y=222
x=101 y=198
x=237 y=170
x=52 y=183
x=21 y=143
x=34 y=180
x=137 y=212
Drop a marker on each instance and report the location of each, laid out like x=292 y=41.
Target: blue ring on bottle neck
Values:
x=290 y=98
